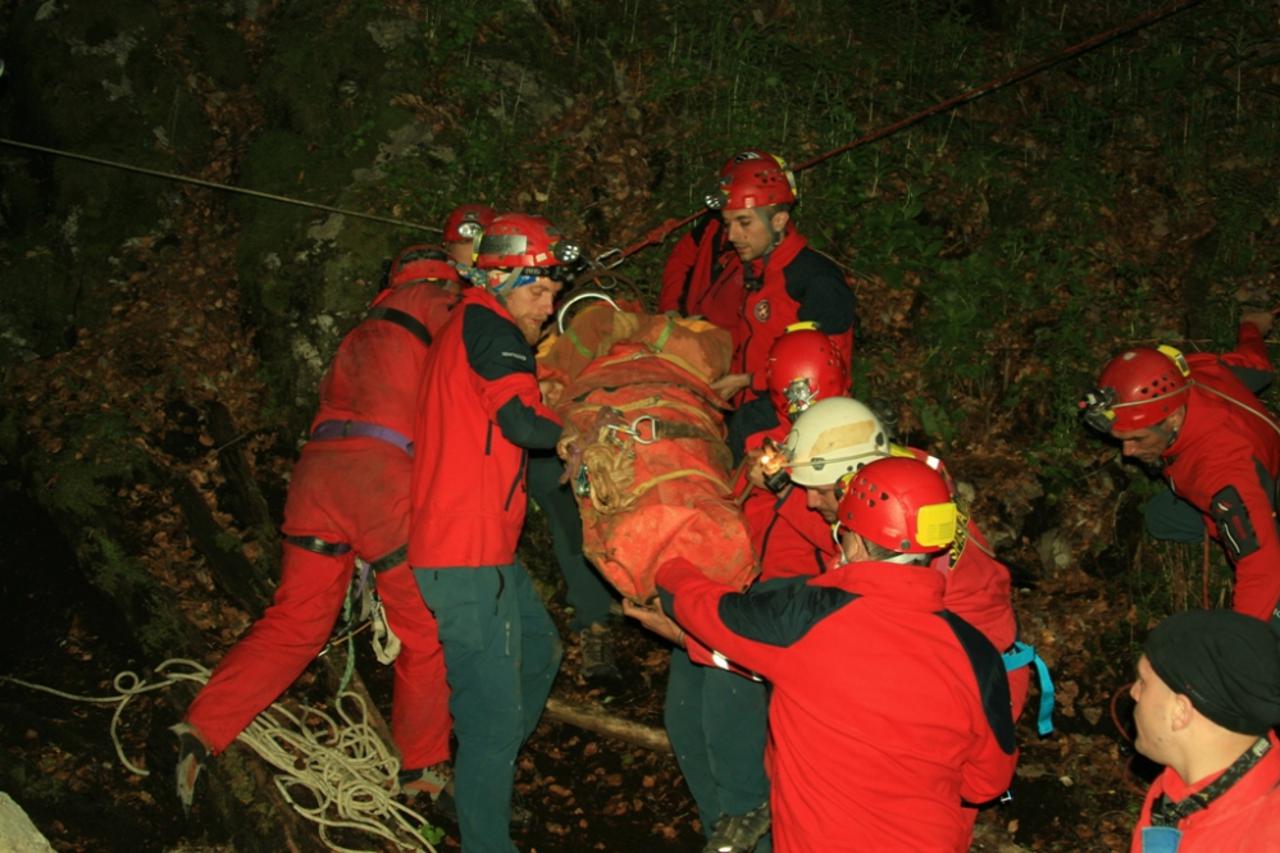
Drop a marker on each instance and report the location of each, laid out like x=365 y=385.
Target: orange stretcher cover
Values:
x=645 y=430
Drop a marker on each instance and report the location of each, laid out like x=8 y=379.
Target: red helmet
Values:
x=1138 y=389
x=517 y=240
x=467 y=222
x=804 y=366
x=745 y=155
x=754 y=182
x=421 y=263
x=899 y=503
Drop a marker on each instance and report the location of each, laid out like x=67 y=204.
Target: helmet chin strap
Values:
x=502 y=288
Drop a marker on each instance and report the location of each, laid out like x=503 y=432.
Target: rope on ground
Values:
x=333 y=768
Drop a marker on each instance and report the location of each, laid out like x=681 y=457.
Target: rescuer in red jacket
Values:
x=834 y=438
x=480 y=412
x=1195 y=419
x=717 y=719
x=348 y=498
x=1208 y=699
x=784 y=281
x=887 y=711
x=703 y=275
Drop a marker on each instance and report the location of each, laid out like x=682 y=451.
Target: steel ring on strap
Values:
x=590 y=294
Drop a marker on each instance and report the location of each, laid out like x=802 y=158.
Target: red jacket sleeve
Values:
x=697 y=602
x=1231 y=494
x=1250 y=351
x=676 y=273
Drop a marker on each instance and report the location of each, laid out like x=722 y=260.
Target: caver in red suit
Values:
x=790 y=284
x=703 y=275
x=349 y=497
x=878 y=727
x=480 y=413
x=1221 y=452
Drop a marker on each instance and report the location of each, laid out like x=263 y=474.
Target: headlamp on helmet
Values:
x=773 y=463
x=467 y=222
x=1097 y=409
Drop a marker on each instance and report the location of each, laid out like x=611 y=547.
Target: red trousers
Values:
x=353 y=491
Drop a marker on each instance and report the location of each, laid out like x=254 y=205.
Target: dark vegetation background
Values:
x=161 y=343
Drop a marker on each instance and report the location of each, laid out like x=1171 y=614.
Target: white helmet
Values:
x=834 y=437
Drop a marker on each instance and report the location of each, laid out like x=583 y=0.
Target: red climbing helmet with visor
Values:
x=753 y=182
x=804 y=366
x=421 y=263
x=467 y=222
x=900 y=504
x=1138 y=388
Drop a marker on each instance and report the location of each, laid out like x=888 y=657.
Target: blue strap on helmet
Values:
x=1019 y=655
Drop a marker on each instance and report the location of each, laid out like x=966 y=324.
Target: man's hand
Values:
x=730 y=384
x=655 y=620
x=755 y=470
x=1264 y=320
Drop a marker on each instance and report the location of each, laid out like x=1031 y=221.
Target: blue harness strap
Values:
x=1019 y=655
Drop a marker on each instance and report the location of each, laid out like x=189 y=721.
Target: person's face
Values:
x=852 y=548
x=749 y=230
x=1152 y=713
x=460 y=252
x=1148 y=443
x=531 y=305
x=822 y=500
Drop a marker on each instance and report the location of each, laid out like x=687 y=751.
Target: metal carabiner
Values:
x=653 y=429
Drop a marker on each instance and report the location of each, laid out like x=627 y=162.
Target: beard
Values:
x=531 y=329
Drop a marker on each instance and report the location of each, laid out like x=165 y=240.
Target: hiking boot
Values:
x=739 y=833
x=431 y=781
x=597 y=664
x=192 y=755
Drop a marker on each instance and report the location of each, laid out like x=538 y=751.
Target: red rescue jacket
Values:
x=791 y=284
x=1225 y=462
x=878 y=724
x=1244 y=819
x=703 y=275
x=375 y=373
x=468 y=491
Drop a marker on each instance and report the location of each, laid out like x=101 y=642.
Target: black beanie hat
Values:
x=1227 y=663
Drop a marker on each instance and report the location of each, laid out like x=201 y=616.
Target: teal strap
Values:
x=1019 y=655
x=1160 y=839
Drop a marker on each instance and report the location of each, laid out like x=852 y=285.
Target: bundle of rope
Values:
x=333 y=768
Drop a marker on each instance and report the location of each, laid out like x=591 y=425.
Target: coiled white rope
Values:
x=340 y=765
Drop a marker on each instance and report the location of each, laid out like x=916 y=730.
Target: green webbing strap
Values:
x=578 y=345
x=666 y=334
x=390 y=561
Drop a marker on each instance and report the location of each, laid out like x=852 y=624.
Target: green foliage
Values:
x=431 y=834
